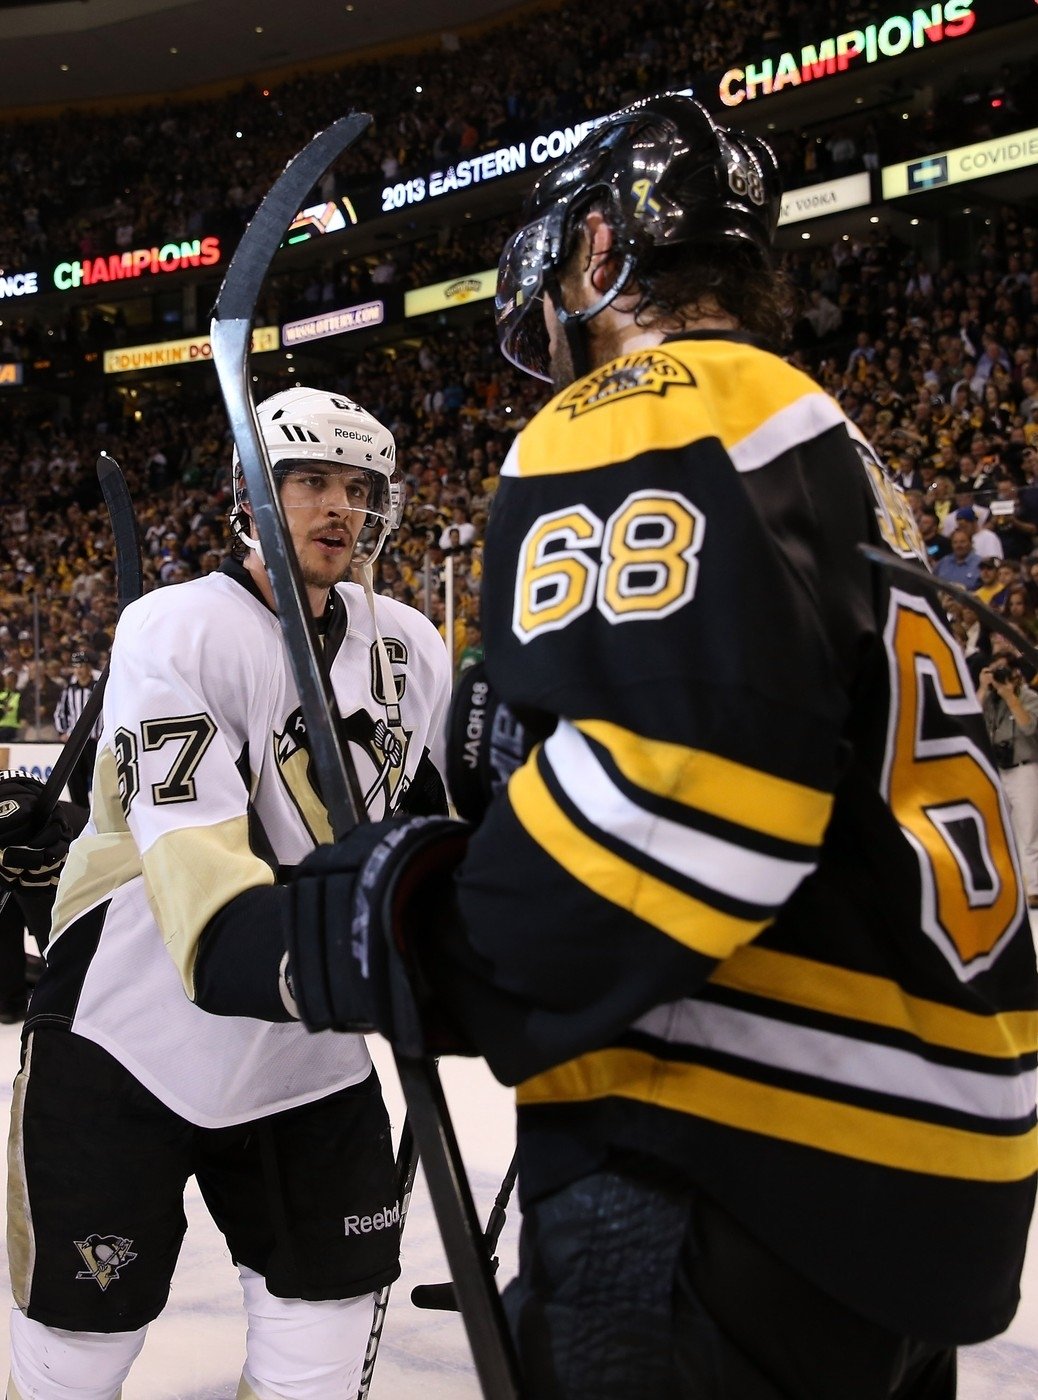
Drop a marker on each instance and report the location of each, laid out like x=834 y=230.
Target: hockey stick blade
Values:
x=478 y=1299
x=230 y=337
x=231 y=340
x=129 y=573
x=935 y=586
x=437 y=1297
x=442 y=1297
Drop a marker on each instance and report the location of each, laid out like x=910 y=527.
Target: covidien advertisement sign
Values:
x=995 y=156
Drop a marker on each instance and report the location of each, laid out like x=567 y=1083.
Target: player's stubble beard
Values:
x=327 y=576
x=560 y=363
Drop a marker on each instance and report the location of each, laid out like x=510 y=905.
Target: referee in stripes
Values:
x=70 y=706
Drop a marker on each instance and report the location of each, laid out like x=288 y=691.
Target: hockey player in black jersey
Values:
x=153 y=1050
x=746 y=926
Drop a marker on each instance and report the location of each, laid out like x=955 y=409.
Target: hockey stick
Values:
x=129 y=577
x=442 y=1296
x=997 y=622
x=423 y=1093
x=407 y=1166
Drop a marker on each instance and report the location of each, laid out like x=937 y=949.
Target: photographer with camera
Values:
x=1015 y=532
x=1011 y=716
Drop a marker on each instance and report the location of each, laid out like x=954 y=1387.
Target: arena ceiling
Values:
x=56 y=51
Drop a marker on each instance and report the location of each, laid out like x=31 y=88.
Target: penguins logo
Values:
x=295 y=764
x=384 y=743
x=104 y=1256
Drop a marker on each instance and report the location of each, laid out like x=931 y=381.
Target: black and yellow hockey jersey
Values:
x=753 y=908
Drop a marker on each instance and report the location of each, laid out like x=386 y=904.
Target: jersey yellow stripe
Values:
x=860 y=996
x=720 y=368
x=99 y=864
x=862 y=1134
x=191 y=873
x=580 y=431
x=690 y=921
x=717 y=786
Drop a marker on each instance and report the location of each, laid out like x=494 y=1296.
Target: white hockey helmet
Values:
x=311 y=425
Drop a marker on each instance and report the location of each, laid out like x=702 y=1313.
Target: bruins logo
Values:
x=104 y=1256
x=650 y=371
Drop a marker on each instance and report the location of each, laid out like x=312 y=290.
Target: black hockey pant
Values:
x=630 y=1290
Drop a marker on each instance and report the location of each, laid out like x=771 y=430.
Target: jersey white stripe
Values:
x=718 y=865
x=510 y=467
x=807 y=417
x=840 y=1059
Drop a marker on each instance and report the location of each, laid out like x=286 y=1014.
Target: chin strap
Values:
x=391 y=698
x=253 y=544
x=574 y=323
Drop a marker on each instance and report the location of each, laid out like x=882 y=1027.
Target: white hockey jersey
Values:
x=203 y=787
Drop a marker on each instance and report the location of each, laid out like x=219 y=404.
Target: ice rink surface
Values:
x=194 y=1351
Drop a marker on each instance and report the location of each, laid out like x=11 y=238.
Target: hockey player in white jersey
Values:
x=153 y=1050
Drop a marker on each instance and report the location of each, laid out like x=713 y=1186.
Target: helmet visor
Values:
x=519 y=298
x=344 y=481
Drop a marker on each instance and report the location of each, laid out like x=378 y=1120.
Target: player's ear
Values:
x=601 y=270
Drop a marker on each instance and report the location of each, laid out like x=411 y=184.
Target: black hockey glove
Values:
x=30 y=858
x=357 y=912
x=486 y=742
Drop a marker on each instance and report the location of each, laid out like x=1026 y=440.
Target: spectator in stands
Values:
x=972 y=636
x=962 y=565
x=52 y=683
x=1011 y=716
x=10 y=706
x=1008 y=575
x=1015 y=532
x=460 y=532
x=990 y=585
x=983 y=540
x=964 y=499
x=473 y=648
x=1019 y=609
x=937 y=546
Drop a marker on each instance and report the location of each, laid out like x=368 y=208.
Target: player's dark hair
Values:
x=689 y=280
x=681 y=284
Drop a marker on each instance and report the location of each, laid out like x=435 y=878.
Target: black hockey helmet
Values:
x=668 y=175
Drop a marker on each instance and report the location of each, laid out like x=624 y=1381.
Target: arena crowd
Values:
x=183 y=169
x=937 y=364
